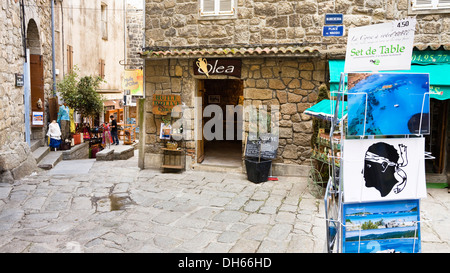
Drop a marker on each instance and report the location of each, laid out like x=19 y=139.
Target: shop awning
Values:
x=439 y=79
x=325 y=109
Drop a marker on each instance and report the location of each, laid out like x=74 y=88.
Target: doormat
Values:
x=437 y=185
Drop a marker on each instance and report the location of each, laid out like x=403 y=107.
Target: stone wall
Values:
x=135 y=38
x=292 y=84
x=40 y=12
x=16 y=159
x=289 y=83
x=177 y=23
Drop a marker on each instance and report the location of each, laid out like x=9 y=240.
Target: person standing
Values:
x=114 y=135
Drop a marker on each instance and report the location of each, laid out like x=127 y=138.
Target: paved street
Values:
x=113 y=206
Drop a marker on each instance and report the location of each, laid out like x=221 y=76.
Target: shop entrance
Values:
x=221 y=151
x=436 y=142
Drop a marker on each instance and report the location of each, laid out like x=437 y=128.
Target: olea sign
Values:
x=380 y=47
x=226 y=67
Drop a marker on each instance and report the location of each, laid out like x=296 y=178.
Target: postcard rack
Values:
x=334 y=192
x=334 y=202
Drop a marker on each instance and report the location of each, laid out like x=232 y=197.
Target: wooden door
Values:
x=37 y=84
x=199 y=108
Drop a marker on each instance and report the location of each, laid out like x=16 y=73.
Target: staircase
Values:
x=45 y=158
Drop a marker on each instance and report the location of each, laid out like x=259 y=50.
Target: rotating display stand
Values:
x=343 y=235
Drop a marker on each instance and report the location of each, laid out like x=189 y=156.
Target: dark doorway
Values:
x=223 y=151
x=436 y=142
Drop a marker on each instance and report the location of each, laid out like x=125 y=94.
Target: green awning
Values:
x=439 y=80
x=325 y=109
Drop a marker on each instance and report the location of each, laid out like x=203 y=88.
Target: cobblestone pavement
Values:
x=116 y=207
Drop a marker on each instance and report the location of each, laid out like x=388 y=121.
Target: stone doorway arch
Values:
x=33 y=39
x=37 y=96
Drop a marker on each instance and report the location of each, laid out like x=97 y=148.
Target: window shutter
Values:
x=104 y=21
x=102 y=68
x=226 y=6
x=208 y=6
x=69 y=58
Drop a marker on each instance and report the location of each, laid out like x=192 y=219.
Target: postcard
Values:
x=384 y=227
x=383 y=169
x=388 y=104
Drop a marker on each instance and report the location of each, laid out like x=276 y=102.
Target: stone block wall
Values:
x=289 y=83
x=16 y=159
x=80 y=151
x=177 y=23
x=135 y=38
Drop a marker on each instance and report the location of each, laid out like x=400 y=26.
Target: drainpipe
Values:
x=53 y=48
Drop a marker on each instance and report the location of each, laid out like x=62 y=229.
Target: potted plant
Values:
x=257 y=162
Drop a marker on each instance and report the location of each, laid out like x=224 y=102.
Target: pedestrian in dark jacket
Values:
x=114 y=130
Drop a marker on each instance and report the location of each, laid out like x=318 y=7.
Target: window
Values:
x=104 y=21
x=429 y=6
x=217 y=7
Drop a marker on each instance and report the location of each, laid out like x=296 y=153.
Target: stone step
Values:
x=50 y=160
x=116 y=152
x=35 y=144
x=40 y=153
x=217 y=168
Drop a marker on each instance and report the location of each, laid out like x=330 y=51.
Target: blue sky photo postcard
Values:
x=385 y=227
x=397 y=104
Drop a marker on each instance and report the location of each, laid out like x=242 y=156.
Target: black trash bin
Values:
x=257 y=170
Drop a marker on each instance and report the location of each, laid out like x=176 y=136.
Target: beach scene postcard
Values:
x=383 y=227
x=388 y=104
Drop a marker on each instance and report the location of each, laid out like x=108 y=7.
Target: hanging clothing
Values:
x=64 y=121
x=72 y=121
x=63 y=113
x=54 y=133
x=106 y=136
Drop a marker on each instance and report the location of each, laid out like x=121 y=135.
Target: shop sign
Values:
x=133 y=81
x=380 y=47
x=37 y=119
x=329 y=31
x=226 y=67
x=334 y=19
x=163 y=104
x=430 y=57
x=19 y=80
x=266 y=147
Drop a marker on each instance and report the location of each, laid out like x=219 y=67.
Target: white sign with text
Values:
x=380 y=47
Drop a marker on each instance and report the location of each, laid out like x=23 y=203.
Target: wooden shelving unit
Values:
x=173 y=159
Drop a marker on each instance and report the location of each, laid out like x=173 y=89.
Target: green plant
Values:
x=317 y=123
x=80 y=94
x=89 y=101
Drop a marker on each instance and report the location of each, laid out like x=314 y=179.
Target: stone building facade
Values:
x=283 y=53
x=135 y=36
x=16 y=159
